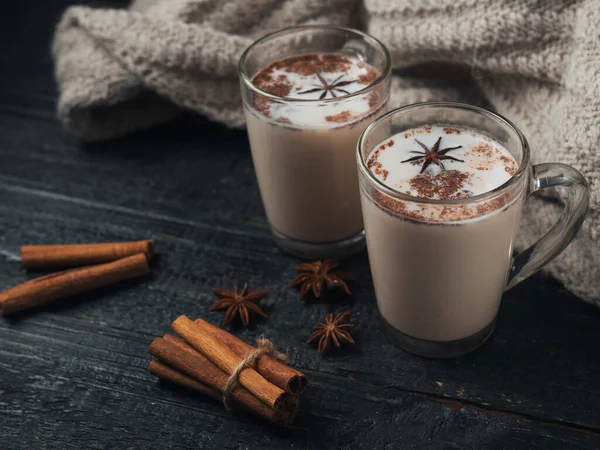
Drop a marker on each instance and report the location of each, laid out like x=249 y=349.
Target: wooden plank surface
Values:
x=72 y=375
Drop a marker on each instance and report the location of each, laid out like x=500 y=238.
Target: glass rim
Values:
x=385 y=73
x=523 y=165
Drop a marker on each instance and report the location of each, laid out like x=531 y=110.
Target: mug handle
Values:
x=564 y=230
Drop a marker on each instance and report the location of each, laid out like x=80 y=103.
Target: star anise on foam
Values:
x=433 y=155
x=238 y=303
x=316 y=274
x=335 y=85
x=333 y=330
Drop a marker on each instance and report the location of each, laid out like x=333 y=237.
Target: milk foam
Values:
x=486 y=163
x=297 y=76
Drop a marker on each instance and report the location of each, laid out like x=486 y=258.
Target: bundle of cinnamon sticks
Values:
x=204 y=358
x=106 y=264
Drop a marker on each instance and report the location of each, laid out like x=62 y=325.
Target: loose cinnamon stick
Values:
x=51 y=287
x=281 y=375
x=72 y=255
x=179 y=355
x=227 y=360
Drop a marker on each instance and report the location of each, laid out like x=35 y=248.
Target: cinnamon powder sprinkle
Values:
x=375 y=166
x=307 y=64
x=344 y=116
x=488 y=151
x=373 y=98
x=510 y=166
x=451 y=130
x=262 y=104
x=445 y=214
x=493 y=204
x=424 y=129
x=372 y=162
x=369 y=77
x=373 y=159
x=445 y=185
x=485 y=149
x=302 y=64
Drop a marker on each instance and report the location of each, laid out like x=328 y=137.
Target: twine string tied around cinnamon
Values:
x=264 y=347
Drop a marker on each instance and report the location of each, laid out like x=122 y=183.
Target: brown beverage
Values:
x=303 y=149
x=439 y=271
x=442 y=185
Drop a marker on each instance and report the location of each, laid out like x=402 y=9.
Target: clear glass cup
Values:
x=438 y=283
x=306 y=171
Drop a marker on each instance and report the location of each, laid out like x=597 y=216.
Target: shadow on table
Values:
x=176 y=138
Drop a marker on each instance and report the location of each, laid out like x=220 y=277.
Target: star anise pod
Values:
x=316 y=274
x=335 y=85
x=238 y=303
x=333 y=330
x=433 y=155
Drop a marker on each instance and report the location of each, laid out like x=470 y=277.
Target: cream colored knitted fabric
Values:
x=537 y=62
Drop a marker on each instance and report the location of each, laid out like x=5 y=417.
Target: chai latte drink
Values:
x=439 y=272
x=442 y=186
x=303 y=126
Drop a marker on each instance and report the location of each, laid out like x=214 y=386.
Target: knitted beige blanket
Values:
x=536 y=62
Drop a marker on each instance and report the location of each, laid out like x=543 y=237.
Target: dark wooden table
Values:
x=73 y=375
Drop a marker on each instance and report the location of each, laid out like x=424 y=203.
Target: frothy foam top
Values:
x=317 y=76
x=472 y=163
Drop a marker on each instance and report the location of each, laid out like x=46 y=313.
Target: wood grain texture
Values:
x=73 y=374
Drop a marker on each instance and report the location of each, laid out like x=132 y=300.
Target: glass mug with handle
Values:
x=440 y=267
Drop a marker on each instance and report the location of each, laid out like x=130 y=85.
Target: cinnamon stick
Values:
x=72 y=255
x=282 y=416
x=51 y=287
x=292 y=404
x=281 y=375
x=167 y=373
x=227 y=360
x=181 y=356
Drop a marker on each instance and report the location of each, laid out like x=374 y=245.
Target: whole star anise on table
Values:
x=316 y=274
x=333 y=330
x=238 y=303
x=335 y=85
x=433 y=155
